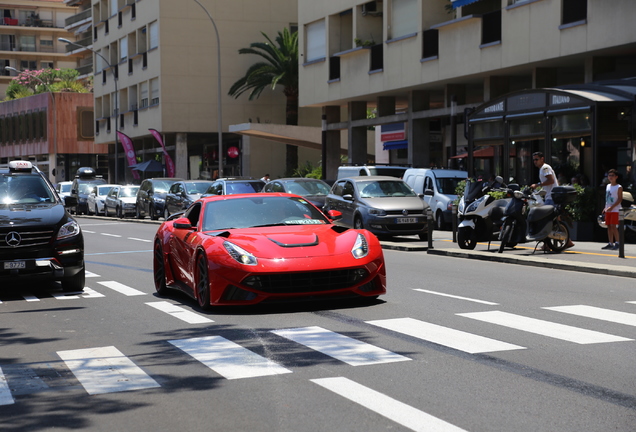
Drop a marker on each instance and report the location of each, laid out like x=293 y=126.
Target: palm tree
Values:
x=280 y=67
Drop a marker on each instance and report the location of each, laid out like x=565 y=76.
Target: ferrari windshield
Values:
x=260 y=211
x=384 y=188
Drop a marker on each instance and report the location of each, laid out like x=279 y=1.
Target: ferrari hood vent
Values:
x=294 y=240
x=339 y=228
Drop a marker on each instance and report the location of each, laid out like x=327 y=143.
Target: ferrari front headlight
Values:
x=360 y=248
x=239 y=254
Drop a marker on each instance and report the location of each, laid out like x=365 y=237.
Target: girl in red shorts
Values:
x=613 y=198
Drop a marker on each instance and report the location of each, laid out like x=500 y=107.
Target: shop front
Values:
x=582 y=130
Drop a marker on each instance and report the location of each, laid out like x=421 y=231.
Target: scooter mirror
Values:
x=499 y=179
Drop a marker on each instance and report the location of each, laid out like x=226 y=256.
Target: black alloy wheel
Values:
x=203 y=282
x=159 y=269
x=466 y=238
x=357 y=223
x=153 y=212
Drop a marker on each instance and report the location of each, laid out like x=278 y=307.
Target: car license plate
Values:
x=14 y=265
x=406 y=220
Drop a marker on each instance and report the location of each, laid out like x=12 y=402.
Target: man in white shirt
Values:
x=546 y=176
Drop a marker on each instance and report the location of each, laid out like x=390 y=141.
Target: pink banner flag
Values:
x=129 y=149
x=170 y=171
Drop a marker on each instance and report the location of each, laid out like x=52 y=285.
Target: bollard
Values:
x=621 y=232
x=454 y=221
x=429 y=219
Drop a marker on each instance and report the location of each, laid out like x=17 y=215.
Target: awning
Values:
x=151 y=166
x=483 y=153
x=458 y=3
x=395 y=145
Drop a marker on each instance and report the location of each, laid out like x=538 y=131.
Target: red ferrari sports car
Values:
x=249 y=248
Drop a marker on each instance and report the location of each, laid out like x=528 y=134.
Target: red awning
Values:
x=483 y=153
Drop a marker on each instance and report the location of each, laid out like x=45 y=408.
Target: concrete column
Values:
x=495 y=86
x=331 y=141
x=418 y=130
x=386 y=106
x=246 y=168
x=544 y=77
x=357 y=135
x=181 y=155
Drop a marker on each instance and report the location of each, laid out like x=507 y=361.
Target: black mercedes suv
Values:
x=39 y=239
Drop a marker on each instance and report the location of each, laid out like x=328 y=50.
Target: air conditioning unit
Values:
x=370 y=8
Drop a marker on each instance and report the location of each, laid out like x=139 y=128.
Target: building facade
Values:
x=431 y=64
x=157 y=69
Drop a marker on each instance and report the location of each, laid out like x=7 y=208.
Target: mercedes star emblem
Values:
x=13 y=239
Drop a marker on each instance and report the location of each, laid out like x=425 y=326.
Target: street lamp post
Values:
x=48 y=88
x=68 y=42
x=219 y=116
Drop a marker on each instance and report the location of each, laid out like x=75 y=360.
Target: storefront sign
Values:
x=495 y=108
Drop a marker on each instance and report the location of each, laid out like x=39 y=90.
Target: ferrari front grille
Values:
x=289 y=283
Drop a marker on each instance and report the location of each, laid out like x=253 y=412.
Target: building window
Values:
x=154 y=91
x=143 y=94
x=153 y=29
x=404 y=18
x=574 y=11
x=316 y=41
x=46 y=65
x=430 y=43
x=123 y=49
x=491 y=27
x=27 y=43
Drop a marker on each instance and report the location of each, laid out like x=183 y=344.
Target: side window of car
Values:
x=348 y=189
x=173 y=188
x=113 y=192
x=338 y=188
x=278 y=187
x=193 y=214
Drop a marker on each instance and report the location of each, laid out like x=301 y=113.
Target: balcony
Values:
x=85 y=70
x=82 y=42
x=78 y=17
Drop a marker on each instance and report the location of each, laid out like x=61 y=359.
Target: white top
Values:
x=611 y=196
x=545 y=171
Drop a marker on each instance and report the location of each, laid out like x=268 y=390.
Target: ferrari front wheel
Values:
x=203 y=282
x=159 y=269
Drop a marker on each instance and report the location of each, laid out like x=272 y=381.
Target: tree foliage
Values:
x=28 y=83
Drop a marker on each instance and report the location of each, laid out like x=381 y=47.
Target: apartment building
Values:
x=479 y=84
x=80 y=24
x=29 y=30
x=157 y=68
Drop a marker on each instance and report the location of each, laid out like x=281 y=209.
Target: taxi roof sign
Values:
x=20 y=165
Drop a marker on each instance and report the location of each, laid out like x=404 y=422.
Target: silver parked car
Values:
x=313 y=190
x=183 y=193
x=381 y=204
x=96 y=197
x=121 y=201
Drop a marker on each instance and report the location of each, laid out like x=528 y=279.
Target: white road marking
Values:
x=91 y=275
x=632 y=302
x=66 y=296
x=141 y=240
x=456 y=339
x=228 y=359
x=90 y=293
x=386 y=406
x=180 y=313
x=597 y=313
x=110 y=235
x=121 y=288
x=456 y=297
x=5 y=392
x=88 y=232
x=30 y=298
x=340 y=347
x=106 y=370
x=544 y=328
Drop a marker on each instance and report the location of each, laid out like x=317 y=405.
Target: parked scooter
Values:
x=480 y=215
x=546 y=223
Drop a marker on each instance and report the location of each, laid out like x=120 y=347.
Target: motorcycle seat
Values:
x=540 y=212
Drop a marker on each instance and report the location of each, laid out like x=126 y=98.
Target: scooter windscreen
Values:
x=474 y=190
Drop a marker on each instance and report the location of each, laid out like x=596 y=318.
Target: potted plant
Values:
x=583 y=212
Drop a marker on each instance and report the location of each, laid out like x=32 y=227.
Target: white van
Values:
x=438 y=187
x=370 y=170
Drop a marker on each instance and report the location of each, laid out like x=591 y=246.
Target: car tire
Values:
x=106 y=210
x=202 y=282
x=119 y=213
x=439 y=221
x=153 y=213
x=88 y=210
x=357 y=223
x=137 y=212
x=75 y=283
x=166 y=214
x=466 y=238
x=159 y=269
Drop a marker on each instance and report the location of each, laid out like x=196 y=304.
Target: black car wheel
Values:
x=75 y=283
x=203 y=282
x=106 y=210
x=439 y=221
x=120 y=213
x=357 y=223
x=166 y=214
x=137 y=212
x=159 y=269
x=153 y=212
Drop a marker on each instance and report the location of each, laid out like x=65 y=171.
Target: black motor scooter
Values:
x=544 y=223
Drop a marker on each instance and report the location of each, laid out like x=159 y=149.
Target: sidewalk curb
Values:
x=610 y=270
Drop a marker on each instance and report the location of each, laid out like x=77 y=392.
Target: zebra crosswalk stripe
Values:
x=597 y=313
x=227 y=358
x=544 y=328
x=5 y=391
x=121 y=288
x=386 y=406
x=456 y=339
x=340 y=347
x=179 y=312
x=106 y=370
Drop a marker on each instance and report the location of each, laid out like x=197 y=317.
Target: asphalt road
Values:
x=454 y=345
